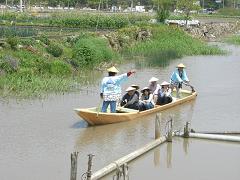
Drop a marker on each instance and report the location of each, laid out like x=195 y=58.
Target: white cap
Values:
x=153 y=79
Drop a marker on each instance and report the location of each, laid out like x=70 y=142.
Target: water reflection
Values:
x=169 y=155
x=157 y=59
x=186 y=145
x=157 y=157
x=80 y=124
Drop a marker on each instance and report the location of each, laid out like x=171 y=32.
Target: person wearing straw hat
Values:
x=146 y=99
x=130 y=99
x=164 y=94
x=154 y=87
x=137 y=88
x=111 y=88
x=179 y=77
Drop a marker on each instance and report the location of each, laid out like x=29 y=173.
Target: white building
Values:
x=140 y=9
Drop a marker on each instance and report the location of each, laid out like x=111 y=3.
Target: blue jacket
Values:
x=175 y=77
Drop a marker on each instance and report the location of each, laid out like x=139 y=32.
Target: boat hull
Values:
x=94 y=117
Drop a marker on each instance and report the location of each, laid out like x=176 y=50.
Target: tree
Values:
x=187 y=6
x=163 y=9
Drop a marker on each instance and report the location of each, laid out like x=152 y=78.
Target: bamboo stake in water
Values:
x=74 y=157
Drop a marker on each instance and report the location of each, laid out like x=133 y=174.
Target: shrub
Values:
x=60 y=68
x=54 y=50
x=162 y=14
x=13 y=42
x=89 y=51
x=44 y=39
x=27 y=42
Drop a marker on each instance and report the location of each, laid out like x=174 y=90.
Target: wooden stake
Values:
x=74 y=157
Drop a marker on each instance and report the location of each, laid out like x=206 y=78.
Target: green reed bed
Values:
x=18 y=86
x=233 y=39
x=97 y=20
x=229 y=12
x=91 y=20
x=33 y=86
x=171 y=43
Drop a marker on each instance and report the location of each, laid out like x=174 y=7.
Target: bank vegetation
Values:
x=34 y=64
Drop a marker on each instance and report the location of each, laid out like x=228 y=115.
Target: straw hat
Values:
x=145 y=88
x=165 y=83
x=130 y=88
x=153 y=79
x=181 y=65
x=135 y=86
x=112 y=69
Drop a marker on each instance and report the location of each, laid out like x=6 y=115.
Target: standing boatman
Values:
x=179 y=77
x=111 y=88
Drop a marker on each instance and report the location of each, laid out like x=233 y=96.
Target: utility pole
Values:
x=203 y=4
x=223 y=3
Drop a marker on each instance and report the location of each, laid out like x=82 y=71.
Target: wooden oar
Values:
x=187 y=84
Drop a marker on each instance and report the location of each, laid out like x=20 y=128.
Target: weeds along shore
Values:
x=57 y=62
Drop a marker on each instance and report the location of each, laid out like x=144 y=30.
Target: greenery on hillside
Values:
x=171 y=43
x=34 y=66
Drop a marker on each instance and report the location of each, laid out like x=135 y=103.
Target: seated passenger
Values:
x=164 y=94
x=154 y=88
x=136 y=87
x=146 y=99
x=130 y=99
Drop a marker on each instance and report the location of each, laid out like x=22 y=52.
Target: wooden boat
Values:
x=94 y=117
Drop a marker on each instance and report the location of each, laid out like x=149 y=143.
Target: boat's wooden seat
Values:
x=125 y=110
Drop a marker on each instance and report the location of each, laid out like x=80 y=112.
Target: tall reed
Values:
x=171 y=43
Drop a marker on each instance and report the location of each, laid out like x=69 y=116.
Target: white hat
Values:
x=153 y=79
x=112 y=69
x=135 y=86
x=181 y=65
x=130 y=88
x=165 y=83
x=145 y=88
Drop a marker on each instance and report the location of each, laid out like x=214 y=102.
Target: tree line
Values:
x=106 y=4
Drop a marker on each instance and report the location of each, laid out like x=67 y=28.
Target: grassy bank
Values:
x=170 y=43
x=35 y=66
x=233 y=40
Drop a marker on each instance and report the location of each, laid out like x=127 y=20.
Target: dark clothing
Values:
x=131 y=102
x=161 y=100
x=137 y=93
x=181 y=76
